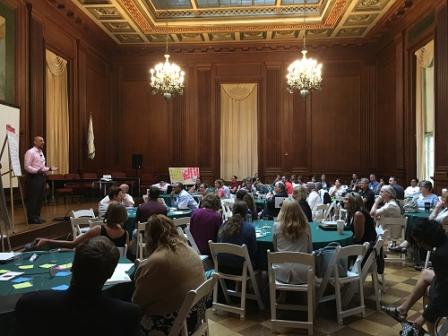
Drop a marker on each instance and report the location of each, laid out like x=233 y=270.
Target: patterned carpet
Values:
x=400 y=280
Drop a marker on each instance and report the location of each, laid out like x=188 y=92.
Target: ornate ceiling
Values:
x=205 y=21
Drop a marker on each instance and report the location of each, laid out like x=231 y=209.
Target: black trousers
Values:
x=35 y=186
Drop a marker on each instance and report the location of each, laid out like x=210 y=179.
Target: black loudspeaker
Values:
x=137 y=161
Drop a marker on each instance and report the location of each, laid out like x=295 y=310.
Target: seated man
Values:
x=270 y=210
x=152 y=207
x=115 y=195
x=399 y=191
x=127 y=200
x=181 y=199
x=413 y=190
x=162 y=186
x=430 y=236
x=366 y=193
x=313 y=199
x=82 y=309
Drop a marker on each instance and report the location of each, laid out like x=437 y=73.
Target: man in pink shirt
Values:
x=35 y=179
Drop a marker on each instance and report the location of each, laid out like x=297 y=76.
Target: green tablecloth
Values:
x=319 y=236
x=413 y=217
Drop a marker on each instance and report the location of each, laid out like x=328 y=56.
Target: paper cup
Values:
x=340 y=226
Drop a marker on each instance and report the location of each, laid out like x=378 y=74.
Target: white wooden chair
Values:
x=370 y=267
x=191 y=299
x=226 y=211
x=247 y=274
x=191 y=240
x=320 y=212
x=183 y=221
x=79 y=221
x=353 y=277
x=441 y=326
x=95 y=221
x=308 y=288
x=140 y=251
x=394 y=229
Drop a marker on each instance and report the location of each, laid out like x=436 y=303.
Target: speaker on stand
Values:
x=137 y=164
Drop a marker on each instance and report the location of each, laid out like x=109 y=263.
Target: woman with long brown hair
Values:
x=358 y=219
x=163 y=279
x=291 y=233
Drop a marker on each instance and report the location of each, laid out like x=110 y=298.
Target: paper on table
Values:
x=47 y=265
x=60 y=288
x=23 y=285
x=21 y=279
x=25 y=267
x=5 y=256
x=65 y=266
x=9 y=275
x=120 y=274
x=63 y=273
x=3 y=271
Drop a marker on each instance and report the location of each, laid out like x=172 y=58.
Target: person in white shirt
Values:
x=413 y=190
x=338 y=189
x=313 y=199
x=426 y=196
x=127 y=201
x=162 y=185
x=440 y=212
x=390 y=207
x=115 y=195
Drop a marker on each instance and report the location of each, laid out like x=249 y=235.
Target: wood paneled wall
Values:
x=325 y=132
x=362 y=120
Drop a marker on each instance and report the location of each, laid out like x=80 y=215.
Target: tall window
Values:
x=425 y=111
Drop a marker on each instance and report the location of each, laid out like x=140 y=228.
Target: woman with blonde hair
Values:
x=163 y=279
x=358 y=219
x=300 y=194
x=291 y=233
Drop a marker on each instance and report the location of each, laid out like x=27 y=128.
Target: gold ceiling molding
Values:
x=202 y=21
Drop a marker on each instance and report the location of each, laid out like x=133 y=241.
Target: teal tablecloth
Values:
x=413 y=217
x=320 y=237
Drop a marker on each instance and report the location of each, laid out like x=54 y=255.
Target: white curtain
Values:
x=57 y=119
x=424 y=106
x=239 y=130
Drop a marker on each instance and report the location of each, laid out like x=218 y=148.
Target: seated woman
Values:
x=358 y=219
x=115 y=218
x=243 y=195
x=195 y=187
x=162 y=280
x=205 y=222
x=291 y=233
x=390 y=208
x=219 y=189
x=300 y=195
x=237 y=231
x=440 y=212
x=426 y=195
x=234 y=184
x=432 y=237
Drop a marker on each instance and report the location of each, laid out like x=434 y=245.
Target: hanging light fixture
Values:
x=304 y=74
x=167 y=78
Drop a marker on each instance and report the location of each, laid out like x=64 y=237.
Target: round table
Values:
x=41 y=279
x=320 y=238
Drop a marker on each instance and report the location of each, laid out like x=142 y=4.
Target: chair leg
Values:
x=361 y=298
x=337 y=289
x=273 y=300
x=376 y=289
x=257 y=292
x=310 y=302
x=243 y=298
x=225 y=290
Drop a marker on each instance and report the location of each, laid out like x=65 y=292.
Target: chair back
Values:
x=181 y=221
x=95 y=221
x=191 y=240
x=191 y=299
x=76 y=224
x=393 y=226
x=357 y=251
x=83 y=213
x=370 y=261
x=277 y=258
x=226 y=211
x=141 y=227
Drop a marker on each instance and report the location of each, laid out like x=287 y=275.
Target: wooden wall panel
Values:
x=336 y=125
x=205 y=141
x=301 y=140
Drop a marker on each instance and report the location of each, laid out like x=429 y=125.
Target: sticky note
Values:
x=21 y=279
x=63 y=274
x=47 y=265
x=25 y=267
x=3 y=271
x=23 y=285
x=60 y=288
x=65 y=266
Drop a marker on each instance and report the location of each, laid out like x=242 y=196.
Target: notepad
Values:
x=23 y=285
x=25 y=267
x=21 y=279
x=63 y=274
x=47 y=265
x=60 y=288
x=120 y=274
x=9 y=275
x=4 y=271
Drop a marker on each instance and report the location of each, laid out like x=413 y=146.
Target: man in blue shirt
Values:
x=181 y=199
x=374 y=185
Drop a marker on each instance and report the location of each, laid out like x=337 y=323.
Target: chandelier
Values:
x=304 y=74
x=167 y=78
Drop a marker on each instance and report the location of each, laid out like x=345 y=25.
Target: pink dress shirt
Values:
x=35 y=161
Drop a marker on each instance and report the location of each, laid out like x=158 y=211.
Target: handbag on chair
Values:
x=323 y=257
